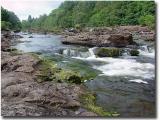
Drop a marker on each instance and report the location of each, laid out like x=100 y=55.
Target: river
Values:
x=125 y=84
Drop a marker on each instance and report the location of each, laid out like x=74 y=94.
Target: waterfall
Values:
x=91 y=51
x=75 y=53
x=66 y=52
x=147 y=51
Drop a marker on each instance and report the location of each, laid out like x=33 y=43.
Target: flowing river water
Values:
x=125 y=84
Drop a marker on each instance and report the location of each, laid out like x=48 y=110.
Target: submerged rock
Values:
x=30 y=37
x=134 y=52
x=88 y=114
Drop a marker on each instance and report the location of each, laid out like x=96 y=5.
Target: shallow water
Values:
x=125 y=84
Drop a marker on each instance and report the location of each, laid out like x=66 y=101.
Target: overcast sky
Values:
x=23 y=8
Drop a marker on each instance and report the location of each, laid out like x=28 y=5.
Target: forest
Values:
x=9 y=20
x=80 y=14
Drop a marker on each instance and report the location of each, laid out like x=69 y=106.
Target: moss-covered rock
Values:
x=89 y=102
x=68 y=76
x=47 y=70
x=108 y=52
x=14 y=51
x=50 y=72
x=134 y=52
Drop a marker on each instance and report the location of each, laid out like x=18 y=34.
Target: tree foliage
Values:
x=96 y=13
x=9 y=20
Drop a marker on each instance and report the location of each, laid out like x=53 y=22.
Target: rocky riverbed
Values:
x=50 y=78
x=23 y=95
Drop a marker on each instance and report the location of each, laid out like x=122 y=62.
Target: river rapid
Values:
x=125 y=84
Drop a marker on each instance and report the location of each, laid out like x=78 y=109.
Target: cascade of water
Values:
x=144 y=48
x=91 y=51
x=66 y=52
x=147 y=51
x=75 y=53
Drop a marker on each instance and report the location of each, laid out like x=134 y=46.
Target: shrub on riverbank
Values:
x=108 y=52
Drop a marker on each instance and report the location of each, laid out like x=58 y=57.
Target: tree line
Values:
x=9 y=20
x=80 y=14
x=95 y=14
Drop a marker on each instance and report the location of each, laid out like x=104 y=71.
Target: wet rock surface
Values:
x=22 y=95
x=6 y=39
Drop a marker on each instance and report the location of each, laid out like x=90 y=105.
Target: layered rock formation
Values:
x=108 y=37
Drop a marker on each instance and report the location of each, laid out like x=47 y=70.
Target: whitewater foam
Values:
x=147 y=51
x=147 y=54
x=121 y=66
x=139 y=81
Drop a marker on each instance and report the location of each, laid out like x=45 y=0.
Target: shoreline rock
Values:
x=121 y=36
x=23 y=95
x=112 y=40
x=7 y=39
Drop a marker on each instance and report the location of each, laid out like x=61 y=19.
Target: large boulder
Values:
x=117 y=40
x=107 y=40
x=120 y=36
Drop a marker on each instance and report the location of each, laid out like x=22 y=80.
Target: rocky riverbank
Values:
x=24 y=94
x=33 y=86
x=121 y=36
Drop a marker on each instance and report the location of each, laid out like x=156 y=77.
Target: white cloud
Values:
x=23 y=8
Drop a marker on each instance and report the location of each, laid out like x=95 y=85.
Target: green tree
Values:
x=97 y=13
x=147 y=20
x=9 y=20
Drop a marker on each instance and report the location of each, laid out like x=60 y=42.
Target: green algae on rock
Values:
x=68 y=76
x=89 y=102
x=108 y=52
x=50 y=72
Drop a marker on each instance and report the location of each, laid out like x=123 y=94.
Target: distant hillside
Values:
x=9 y=20
x=95 y=13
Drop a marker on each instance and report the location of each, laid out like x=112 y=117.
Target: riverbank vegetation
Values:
x=9 y=20
x=94 y=14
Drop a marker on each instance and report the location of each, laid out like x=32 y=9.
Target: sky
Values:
x=35 y=8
